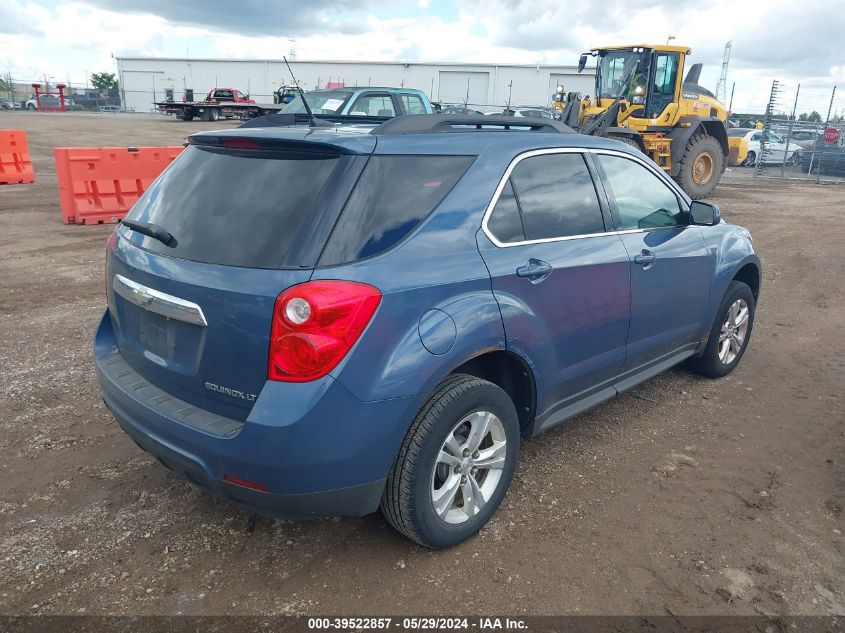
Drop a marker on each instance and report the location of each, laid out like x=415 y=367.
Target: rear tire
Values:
x=701 y=166
x=436 y=463
x=720 y=357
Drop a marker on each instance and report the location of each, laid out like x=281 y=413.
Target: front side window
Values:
x=556 y=196
x=505 y=222
x=643 y=201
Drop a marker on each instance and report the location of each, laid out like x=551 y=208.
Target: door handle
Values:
x=646 y=258
x=536 y=270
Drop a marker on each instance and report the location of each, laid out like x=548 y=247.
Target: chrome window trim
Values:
x=574 y=150
x=159 y=302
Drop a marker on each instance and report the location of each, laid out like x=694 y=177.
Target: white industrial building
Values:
x=144 y=80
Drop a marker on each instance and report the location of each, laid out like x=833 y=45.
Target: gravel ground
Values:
x=684 y=496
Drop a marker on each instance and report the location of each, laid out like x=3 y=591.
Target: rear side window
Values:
x=393 y=195
x=413 y=104
x=556 y=195
x=237 y=208
x=373 y=105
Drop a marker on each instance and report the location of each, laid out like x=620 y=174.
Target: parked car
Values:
x=369 y=102
x=325 y=353
x=825 y=158
x=534 y=112
x=459 y=109
x=803 y=138
x=47 y=101
x=776 y=147
x=8 y=104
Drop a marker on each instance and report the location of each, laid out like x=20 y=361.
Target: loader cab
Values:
x=648 y=78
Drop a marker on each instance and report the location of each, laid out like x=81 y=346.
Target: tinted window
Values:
x=238 y=209
x=642 y=199
x=373 y=105
x=505 y=222
x=413 y=104
x=556 y=196
x=737 y=132
x=393 y=195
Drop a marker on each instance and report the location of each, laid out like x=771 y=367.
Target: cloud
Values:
x=771 y=38
x=15 y=19
x=252 y=17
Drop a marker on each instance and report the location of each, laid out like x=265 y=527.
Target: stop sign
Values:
x=831 y=135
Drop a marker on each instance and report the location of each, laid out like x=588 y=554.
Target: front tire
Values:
x=455 y=464
x=730 y=333
x=627 y=140
x=750 y=160
x=701 y=166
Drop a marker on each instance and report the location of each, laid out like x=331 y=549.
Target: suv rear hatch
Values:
x=249 y=216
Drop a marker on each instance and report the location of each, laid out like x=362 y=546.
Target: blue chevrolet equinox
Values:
x=320 y=321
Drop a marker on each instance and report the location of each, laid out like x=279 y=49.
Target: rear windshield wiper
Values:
x=152 y=230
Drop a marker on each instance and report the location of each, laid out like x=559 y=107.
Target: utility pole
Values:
x=722 y=86
x=789 y=131
x=826 y=124
x=767 y=124
x=510 y=92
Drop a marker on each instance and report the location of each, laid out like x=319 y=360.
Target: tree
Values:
x=813 y=117
x=4 y=86
x=104 y=81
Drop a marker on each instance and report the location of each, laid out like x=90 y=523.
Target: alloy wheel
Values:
x=469 y=467
x=733 y=332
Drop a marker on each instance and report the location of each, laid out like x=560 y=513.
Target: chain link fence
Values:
x=18 y=94
x=794 y=141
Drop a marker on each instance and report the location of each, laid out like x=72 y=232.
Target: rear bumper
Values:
x=317 y=449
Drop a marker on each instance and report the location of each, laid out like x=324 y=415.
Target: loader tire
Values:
x=701 y=166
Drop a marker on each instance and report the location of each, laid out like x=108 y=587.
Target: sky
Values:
x=793 y=42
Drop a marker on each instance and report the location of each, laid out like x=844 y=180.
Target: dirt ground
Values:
x=685 y=496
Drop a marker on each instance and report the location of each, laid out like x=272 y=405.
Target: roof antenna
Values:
x=312 y=121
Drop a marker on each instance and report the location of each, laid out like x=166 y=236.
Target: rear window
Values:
x=393 y=195
x=320 y=102
x=236 y=207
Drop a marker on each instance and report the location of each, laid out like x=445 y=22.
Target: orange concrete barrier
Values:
x=15 y=163
x=100 y=184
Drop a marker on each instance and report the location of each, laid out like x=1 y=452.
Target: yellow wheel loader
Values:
x=640 y=99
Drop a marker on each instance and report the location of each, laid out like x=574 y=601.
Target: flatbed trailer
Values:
x=214 y=110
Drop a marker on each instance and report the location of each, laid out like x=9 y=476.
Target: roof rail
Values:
x=421 y=123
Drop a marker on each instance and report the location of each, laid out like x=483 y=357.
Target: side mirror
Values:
x=582 y=62
x=704 y=213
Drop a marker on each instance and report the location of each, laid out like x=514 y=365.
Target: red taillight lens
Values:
x=315 y=325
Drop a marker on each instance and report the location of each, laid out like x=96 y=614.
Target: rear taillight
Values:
x=315 y=324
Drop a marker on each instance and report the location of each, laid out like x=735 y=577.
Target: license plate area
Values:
x=160 y=328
